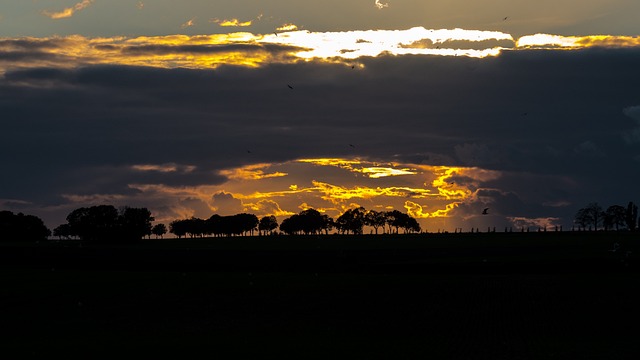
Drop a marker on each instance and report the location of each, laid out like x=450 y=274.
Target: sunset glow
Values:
x=435 y=109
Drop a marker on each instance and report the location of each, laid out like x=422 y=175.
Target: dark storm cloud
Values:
x=541 y=113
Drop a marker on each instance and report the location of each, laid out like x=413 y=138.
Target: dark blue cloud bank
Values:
x=561 y=126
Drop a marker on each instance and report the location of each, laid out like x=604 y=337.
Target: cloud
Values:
x=287 y=27
x=226 y=204
x=559 y=41
x=129 y=133
x=634 y=135
x=380 y=5
x=632 y=112
x=68 y=12
x=266 y=207
x=191 y=22
x=232 y=22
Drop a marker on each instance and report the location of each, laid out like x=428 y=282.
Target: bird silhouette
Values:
x=485 y=211
x=505 y=18
x=290 y=87
x=351 y=145
x=275 y=33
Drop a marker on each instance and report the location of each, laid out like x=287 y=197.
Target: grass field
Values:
x=462 y=296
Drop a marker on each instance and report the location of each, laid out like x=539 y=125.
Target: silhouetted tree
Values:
x=375 y=219
x=135 y=223
x=311 y=221
x=327 y=223
x=246 y=223
x=631 y=216
x=94 y=223
x=159 y=230
x=590 y=215
x=412 y=226
x=179 y=228
x=268 y=224
x=352 y=221
x=105 y=223
x=395 y=219
x=614 y=217
x=62 y=231
x=21 y=227
x=291 y=225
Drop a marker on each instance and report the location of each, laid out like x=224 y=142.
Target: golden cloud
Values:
x=189 y=23
x=232 y=22
x=254 y=50
x=287 y=27
x=267 y=207
x=68 y=12
x=417 y=210
x=251 y=172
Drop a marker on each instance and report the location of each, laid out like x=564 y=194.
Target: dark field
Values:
x=449 y=296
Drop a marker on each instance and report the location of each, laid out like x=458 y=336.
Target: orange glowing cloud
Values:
x=255 y=50
x=287 y=27
x=418 y=212
x=251 y=172
x=232 y=22
x=68 y=12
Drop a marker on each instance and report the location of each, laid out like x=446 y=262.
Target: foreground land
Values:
x=455 y=296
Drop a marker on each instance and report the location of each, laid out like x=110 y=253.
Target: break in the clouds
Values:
x=67 y=12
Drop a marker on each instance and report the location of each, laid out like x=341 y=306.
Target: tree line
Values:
x=106 y=223
x=615 y=217
x=306 y=222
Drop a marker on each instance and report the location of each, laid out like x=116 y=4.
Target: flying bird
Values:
x=485 y=211
x=351 y=145
x=290 y=87
x=505 y=18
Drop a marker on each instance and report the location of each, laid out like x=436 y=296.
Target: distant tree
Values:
x=614 y=217
x=311 y=221
x=195 y=227
x=21 y=227
x=395 y=219
x=291 y=225
x=179 y=228
x=631 y=216
x=327 y=223
x=246 y=223
x=214 y=225
x=412 y=226
x=159 y=230
x=267 y=224
x=590 y=215
x=63 y=231
x=94 y=223
x=375 y=219
x=134 y=223
x=351 y=221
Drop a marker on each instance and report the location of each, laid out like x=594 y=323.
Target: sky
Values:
x=435 y=108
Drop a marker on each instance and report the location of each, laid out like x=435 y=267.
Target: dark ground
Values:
x=464 y=296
